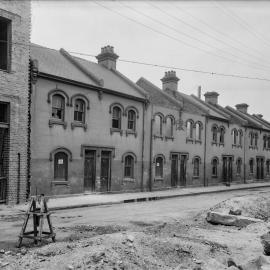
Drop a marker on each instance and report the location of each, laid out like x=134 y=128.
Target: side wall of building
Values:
x=14 y=91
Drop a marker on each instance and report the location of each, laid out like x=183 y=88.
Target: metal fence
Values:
x=3 y=189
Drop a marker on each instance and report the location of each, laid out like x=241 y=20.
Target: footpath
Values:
x=90 y=200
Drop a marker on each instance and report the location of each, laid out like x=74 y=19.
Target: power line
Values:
x=182 y=69
x=202 y=32
x=176 y=39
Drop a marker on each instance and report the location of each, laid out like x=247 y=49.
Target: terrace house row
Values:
x=94 y=130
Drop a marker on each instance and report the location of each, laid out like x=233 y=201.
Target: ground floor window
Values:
x=268 y=166
x=61 y=166
x=238 y=166
x=251 y=165
x=129 y=167
x=159 y=167
x=196 y=167
x=214 y=167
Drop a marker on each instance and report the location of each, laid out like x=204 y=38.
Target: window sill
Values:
x=79 y=124
x=221 y=144
x=127 y=179
x=236 y=146
x=195 y=177
x=214 y=176
x=198 y=141
x=113 y=130
x=169 y=138
x=7 y=71
x=214 y=143
x=266 y=149
x=158 y=179
x=131 y=132
x=60 y=182
x=53 y=121
x=253 y=147
x=158 y=137
x=189 y=140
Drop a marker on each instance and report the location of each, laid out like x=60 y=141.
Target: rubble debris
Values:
x=235 y=212
x=230 y=220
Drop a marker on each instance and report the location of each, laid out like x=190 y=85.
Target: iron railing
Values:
x=3 y=189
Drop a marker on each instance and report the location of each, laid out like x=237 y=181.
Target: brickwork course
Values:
x=14 y=91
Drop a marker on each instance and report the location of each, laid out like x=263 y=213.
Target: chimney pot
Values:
x=243 y=107
x=170 y=81
x=211 y=97
x=107 y=57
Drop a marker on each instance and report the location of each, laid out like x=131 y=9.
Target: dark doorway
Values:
x=90 y=170
x=183 y=169
x=174 y=170
x=227 y=169
x=105 y=171
x=260 y=167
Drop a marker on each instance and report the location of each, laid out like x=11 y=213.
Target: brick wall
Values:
x=14 y=91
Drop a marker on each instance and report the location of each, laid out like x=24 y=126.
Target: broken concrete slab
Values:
x=230 y=220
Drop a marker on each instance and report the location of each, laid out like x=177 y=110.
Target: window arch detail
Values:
x=80 y=96
x=170 y=116
x=116 y=104
x=159 y=155
x=215 y=158
x=161 y=115
x=129 y=154
x=60 y=149
x=197 y=157
x=58 y=92
x=131 y=108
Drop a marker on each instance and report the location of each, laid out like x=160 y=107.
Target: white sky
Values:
x=234 y=34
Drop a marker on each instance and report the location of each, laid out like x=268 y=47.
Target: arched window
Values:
x=256 y=139
x=131 y=120
x=214 y=167
x=159 y=167
x=116 y=117
x=198 y=131
x=268 y=166
x=61 y=166
x=79 y=110
x=238 y=166
x=196 y=166
x=129 y=167
x=235 y=135
x=240 y=132
x=169 y=127
x=251 y=135
x=222 y=135
x=158 y=125
x=58 y=107
x=268 y=142
x=214 y=133
x=189 y=129
x=251 y=165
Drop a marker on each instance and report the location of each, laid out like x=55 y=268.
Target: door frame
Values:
x=93 y=189
x=179 y=156
x=229 y=170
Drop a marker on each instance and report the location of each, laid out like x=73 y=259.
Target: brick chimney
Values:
x=107 y=57
x=211 y=97
x=242 y=107
x=199 y=92
x=170 y=81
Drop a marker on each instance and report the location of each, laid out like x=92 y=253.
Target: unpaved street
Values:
x=163 y=234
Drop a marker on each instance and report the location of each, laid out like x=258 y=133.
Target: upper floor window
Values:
x=3 y=113
x=256 y=139
x=198 y=131
x=5 y=43
x=159 y=167
x=240 y=132
x=61 y=166
x=214 y=167
x=131 y=120
x=264 y=141
x=238 y=166
x=268 y=142
x=251 y=135
x=222 y=135
x=189 y=129
x=214 y=133
x=129 y=167
x=196 y=167
x=169 y=127
x=116 y=117
x=235 y=134
x=58 y=107
x=158 y=125
x=79 y=110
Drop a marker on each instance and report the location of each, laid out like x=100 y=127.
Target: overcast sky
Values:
x=230 y=37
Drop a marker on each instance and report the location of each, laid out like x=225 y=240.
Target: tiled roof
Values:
x=62 y=64
x=157 y=96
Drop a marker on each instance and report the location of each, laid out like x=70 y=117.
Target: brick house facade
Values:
x=14 y=90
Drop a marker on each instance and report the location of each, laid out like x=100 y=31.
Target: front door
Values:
x=259 y=171
x=90 y=170
x=105 y=171
x=174 y=171
x=227 y=169
x=183 y=169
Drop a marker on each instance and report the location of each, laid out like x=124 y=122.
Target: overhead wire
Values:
x=176 y=39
